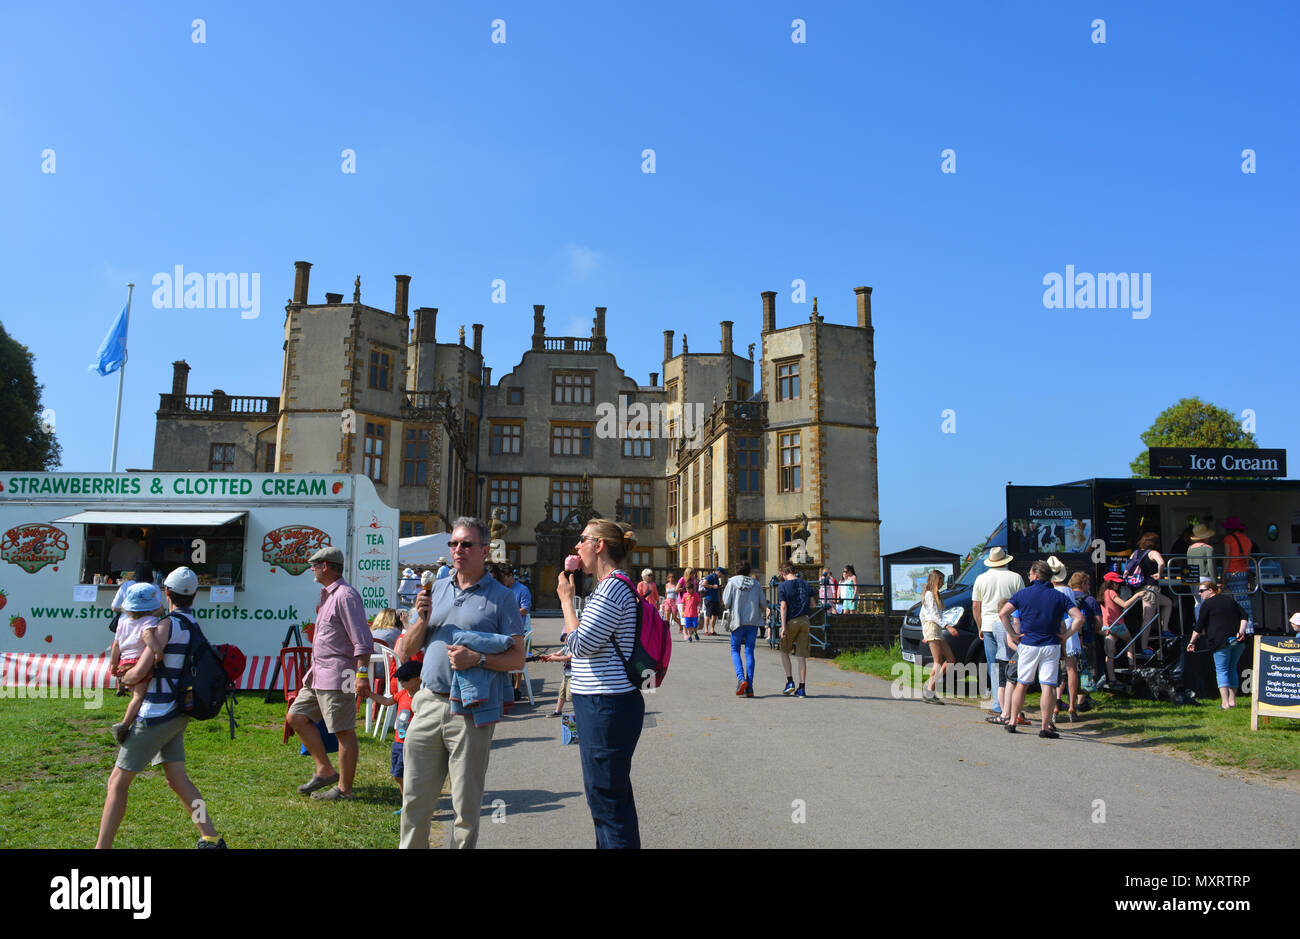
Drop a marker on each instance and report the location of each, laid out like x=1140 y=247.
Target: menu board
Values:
x=1276 y=679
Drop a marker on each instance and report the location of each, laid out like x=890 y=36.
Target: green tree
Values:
x=1191 y=423
x=26 y=438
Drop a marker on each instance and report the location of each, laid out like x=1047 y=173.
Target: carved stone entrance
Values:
x=555 y=541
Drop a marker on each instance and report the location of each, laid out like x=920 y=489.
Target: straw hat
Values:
x=1202 y=532
x=998 y=557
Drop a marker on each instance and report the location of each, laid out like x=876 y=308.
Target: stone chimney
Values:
x=668 y=344
x=864 y=306
x=539 y=326
x=769 y=310
x=426 y=323
x=478 y=338
x=654 y=379
x=487 y=376
x=598 y=330
x=403 y=291
x=301 y=275
x=333 y=298
x=180 y=381
x=424 y=335
x=726 y=336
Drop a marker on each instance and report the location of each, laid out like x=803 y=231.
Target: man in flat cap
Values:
x=339 y=673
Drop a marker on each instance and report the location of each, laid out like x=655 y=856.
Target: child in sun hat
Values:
x=141 y=608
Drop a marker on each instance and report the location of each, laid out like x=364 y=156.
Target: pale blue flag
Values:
x=112 y=351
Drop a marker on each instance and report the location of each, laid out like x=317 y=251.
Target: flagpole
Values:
x=121 y=377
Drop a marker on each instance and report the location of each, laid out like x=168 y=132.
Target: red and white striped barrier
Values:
x=49 y=670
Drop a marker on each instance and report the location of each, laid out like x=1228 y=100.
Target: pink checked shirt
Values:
x=342 y=636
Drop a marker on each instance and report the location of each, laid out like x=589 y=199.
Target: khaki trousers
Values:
x=439 y=742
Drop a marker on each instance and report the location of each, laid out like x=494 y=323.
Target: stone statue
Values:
x=799 y=542
x=356 y=290
x=497 y=527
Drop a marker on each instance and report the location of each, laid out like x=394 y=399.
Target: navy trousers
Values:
x=609 y=726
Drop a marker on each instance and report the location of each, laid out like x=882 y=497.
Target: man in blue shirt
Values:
x=440 y=742
x=792 y=596
x=1042 y=610
x=712 y=596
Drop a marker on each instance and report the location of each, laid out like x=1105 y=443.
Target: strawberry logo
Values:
x=2 y=487
x=4 y=598
x=49 y=638
x=338 y=487
x=18 y=625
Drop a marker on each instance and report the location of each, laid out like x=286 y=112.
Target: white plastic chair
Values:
x=527 y=683
x=385 y=716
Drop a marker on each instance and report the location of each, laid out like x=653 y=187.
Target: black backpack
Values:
x=204 y=685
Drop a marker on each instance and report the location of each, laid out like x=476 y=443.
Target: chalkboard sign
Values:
x=1276 y=679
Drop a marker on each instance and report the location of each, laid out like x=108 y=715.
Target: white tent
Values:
x=423 y=550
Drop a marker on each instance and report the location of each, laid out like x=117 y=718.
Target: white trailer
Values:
x=247 y=535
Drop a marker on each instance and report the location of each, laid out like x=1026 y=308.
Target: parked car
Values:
x=966 y=645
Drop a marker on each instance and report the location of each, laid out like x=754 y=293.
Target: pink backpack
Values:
x=647 y=666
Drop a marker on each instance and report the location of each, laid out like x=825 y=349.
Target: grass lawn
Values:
x=1204 y=732
x=56 y=757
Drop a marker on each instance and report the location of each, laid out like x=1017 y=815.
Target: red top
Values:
x=1237 y=549
x=403 y=699
x=649 y=591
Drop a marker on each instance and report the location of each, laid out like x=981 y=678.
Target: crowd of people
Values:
x=461 y=649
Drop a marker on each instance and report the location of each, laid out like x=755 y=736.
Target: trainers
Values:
x=317 y=782
x=800 y=693
x=741 y=688
x=789 y=688
x=119 y=732
x=749 y=690
x=332 y=794
x=211 y=845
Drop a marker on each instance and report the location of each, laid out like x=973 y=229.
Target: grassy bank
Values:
x=1203 y=732
x=57 y=754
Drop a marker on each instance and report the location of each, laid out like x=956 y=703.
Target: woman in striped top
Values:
x=608 y=707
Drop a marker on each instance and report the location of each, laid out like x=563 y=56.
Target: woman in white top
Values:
x=608 y=707
x=932 y=632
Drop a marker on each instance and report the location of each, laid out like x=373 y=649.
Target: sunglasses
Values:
x=454 y=545
x=592 y=538
x=1204 y=590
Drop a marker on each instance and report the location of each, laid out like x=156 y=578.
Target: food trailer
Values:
x=1093 y=525
x=66 y=540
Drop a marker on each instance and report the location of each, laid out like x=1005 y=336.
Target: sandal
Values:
x=994 y=719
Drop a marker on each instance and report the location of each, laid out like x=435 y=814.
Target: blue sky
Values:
x=775 y=161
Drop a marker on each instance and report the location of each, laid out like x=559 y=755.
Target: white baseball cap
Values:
x=182 y=580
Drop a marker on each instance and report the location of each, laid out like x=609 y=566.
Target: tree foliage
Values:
x=1191 y=422
x=26 y=439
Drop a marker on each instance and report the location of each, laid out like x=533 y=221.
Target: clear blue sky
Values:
x=775 y=161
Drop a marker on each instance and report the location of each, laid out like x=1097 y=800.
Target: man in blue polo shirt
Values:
x=439 y=741
x=1043 y=609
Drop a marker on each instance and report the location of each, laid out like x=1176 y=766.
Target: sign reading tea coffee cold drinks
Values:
x=1216 y=461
